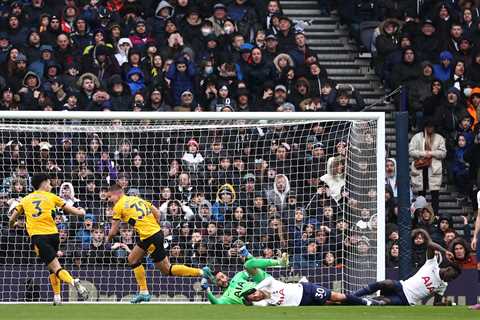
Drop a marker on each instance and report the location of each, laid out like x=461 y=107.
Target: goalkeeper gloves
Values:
x=283 y=261
x=243 y=251
x=204 y=284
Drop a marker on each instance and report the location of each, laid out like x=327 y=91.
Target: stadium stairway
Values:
x=340 y=55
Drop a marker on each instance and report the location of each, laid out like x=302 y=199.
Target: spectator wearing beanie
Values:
x=46 y=54
x=141 y=37
x=427 y=43
x=218 y=18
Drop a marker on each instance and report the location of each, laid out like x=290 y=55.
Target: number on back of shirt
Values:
x=320 y=293
x=142 y=212
x=38 y=210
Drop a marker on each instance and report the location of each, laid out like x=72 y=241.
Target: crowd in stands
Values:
x=431 y=49
x=179 y=55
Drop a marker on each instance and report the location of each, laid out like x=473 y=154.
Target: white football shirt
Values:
x=280 y=293
x=425 y=282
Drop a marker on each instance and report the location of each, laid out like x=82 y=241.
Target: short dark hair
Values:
x=115 y=187
x=38 y=179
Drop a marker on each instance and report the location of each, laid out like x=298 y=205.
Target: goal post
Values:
x=310 y=184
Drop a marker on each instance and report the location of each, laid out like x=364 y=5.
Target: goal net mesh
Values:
x=305 y=187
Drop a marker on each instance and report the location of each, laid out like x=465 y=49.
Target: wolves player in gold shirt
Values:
x=144 y=217
x=39 y=209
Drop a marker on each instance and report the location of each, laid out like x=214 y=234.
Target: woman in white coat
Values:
x=423 y=146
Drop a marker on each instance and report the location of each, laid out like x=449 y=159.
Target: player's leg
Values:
x=54 y=280
x=178 y=270
x=155 y=247
x=46 y=248
x=350 y=299
x=56 y=288
x=135 y=259
x=385 y=285
x=65 y=276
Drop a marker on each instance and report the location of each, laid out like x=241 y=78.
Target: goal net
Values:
x=309 y=185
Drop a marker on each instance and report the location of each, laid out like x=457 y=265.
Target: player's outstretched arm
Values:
x=432 y=246
x=113 y=230
x=252 y=264
x=72 y=210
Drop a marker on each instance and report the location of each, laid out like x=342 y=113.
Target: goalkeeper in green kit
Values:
x=243 y=281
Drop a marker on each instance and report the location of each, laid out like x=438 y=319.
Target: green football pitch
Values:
x=209 y=312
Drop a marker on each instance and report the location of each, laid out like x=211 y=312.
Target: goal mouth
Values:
x=309 y=184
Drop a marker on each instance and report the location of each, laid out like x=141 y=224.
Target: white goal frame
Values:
x=194 y=116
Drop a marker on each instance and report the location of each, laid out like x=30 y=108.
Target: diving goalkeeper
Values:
x=243 y=281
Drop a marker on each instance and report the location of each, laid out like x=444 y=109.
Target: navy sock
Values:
x=351 y=299
x=371 y=288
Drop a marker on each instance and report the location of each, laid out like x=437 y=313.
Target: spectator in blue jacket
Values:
x=135 y=80
x=182 y=78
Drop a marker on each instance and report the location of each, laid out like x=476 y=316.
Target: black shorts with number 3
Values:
x=153 y=245
x=46 y=246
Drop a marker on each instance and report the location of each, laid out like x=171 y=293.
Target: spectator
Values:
x=461 y=169
x=393 y=256
x=461 y=251
x=278 y=193
x=428 y=150
x=443 y=71
x=222 y=209
x=84 y=235
x=335 y=177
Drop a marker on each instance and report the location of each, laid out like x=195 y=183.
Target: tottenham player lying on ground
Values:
x=253 y=274
x=429 y=280
x=272 y=292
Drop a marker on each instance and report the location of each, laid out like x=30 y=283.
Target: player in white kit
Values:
x=429 y=280
x=272 y=292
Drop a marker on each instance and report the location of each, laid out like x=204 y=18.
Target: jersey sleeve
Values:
x=265 y=284
x=117 y=212
x=59 y=203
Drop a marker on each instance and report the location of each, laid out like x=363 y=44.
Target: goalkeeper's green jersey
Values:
x=240 y=283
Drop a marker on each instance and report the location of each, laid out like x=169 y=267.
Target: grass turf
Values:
x=209 y=312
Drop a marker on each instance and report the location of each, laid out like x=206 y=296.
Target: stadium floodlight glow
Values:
x=326 y=167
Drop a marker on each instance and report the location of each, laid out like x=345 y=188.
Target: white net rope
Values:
x=306 y=187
